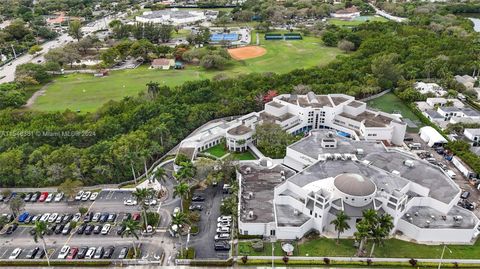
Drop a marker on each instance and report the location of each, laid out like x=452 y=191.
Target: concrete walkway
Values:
x=388 y=16
x=256 y=151
x=360 y=259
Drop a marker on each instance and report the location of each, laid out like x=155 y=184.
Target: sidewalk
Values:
x=360 y=259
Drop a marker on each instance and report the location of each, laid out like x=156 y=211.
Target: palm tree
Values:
x=142 y=195
x=370 y=216
x=131 y=230
x=180 y=219
x=40 y=230
x=186 y=172
x=160 y=174
x=182 y=190
x=341 y=224
x=363 y=229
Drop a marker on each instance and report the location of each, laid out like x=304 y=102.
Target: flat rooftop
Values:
x=311 y=145
x=287 y=216
x=337 y=100
x=355 y=104
x=304 y=101
x=271 y=118
x=419 y=215
x=422 y=173
x=370 y=119
x=275 y=104
x=260 y=181
x=239 y=130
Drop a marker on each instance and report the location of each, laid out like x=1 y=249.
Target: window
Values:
x=272 y=232
x=245 y=232
x=311 y=212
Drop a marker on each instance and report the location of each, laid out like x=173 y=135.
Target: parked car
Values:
x=53 y=218
x=59 y=228
x=223 y=230
x=43 y=197
x=136 y=216
x=96 y=217
x=11 y=228
x=108 y=252
x=130 y=202
x=90 y=253
x=32 y=252
x=126 y=217
x=97 y=229
x=35 y=197
x=40 y=254
x=123 y=253
x=198 y=198
x=29 y=219
x=45 y=217
x=103 y=217
x=76 y=217
x=58 y=197
x=106 y=229
x=86 y=195
x=94 y=195
x=464 y=195
x=66 y=230
x=195 y=207
x=81 y=252
x=79 y=195
x=89 y=229
x=220 y=237
x=223 y=224
x=81 y=228
x=36 y=217
x=224 y=219
x=99 y=253
x=73 y=252
x=120 y=229
x=150 y=202
x=49 y=197
x=27 y=197
x=64 y=252
x=112 y=217
x=88 y=217
x=222 y=245
x=59 y=219
x=51 y=229
x=15 y=253
x=23 y=217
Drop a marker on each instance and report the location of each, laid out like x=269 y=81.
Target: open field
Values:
x=357 y=21
x=87 y=93
x=390 y=103
x=392 y=248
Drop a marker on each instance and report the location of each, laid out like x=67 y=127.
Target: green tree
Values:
x=70 y=187
x=341 y=224
x=132 y=228
x=160 y=174
x=142 y=196
x=180 y=219
x=83 y=210
x=165 y=32
x=16 y=205
x=181 y=190
x=75 y=29
x=40 y=230
x=186 y=172
x=384 y=68
x=35 y=49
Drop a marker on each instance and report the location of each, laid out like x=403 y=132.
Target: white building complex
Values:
x=323 y=174
x=176 y=16
x=299 y=114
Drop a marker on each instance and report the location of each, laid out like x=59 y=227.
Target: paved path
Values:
x=388 y=16
x=470 y=261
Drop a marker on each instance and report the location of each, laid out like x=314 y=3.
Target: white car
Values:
x=222 y=237
x=106 y=229
x=224 y=219
x=151 y=202
x=223 y=230
x=93 y=196
x=90 y=253
x=130 y=202
x=36 y=217
x=223 y=224
x=64 y=252
x=49 y=198
x=76 y=217
x=45 y=217
x=86 y=195
x=15 y=253
x=96 y=217
x=58 y=197
x=53 y=217
x=79 y=195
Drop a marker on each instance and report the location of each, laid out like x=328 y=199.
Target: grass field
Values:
x=244 y=156
x=357 y=21
x=87 y=93
x=393 y=248
x=390 y=103
x=217 y=150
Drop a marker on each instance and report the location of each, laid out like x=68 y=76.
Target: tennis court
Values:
x=222 y=37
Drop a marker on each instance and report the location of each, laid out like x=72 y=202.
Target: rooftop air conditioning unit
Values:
x=282 y=172
x=248 y=170
x=330 y=134
x=409 y=163
x=427 y=223
x=296 y=212
x=395 y=172
x=410 y=219
x=360 y=151
x=416 y=214
x=283 y=178
x=432 y=216
x=407 y=215
x=458 y=218
x=367 y=162
x=250 y=214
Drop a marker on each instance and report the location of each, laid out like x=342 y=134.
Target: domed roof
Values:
x=354 y=184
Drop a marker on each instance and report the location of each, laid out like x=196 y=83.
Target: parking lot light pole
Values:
x=441 y=257
x=272 y=239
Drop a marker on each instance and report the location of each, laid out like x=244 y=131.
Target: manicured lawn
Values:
x=357 y=21
x=217 y=150
x=393 y=248
x=86 y=93
x=392 y=104
x=244 y=156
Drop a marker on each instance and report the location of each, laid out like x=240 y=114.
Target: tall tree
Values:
x=70 y=187
x=341 y=224
x=132 y=228
x=142 y=196
x=75 y=29
x=40 y=230
x=165 y=32
x=16 y=205
x=180 y=219
x=182 y=190
x=186 y=172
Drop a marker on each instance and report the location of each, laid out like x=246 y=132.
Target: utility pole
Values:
x=441 y=257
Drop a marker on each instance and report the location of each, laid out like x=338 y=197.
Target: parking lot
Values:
x=108 y=203
x=204 y=241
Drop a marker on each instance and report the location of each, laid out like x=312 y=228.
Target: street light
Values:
x=443 y=252
x=273 y=239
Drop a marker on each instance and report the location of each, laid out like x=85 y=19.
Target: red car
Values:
x=136 y=216
x=73 y=252
x=43 y=196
